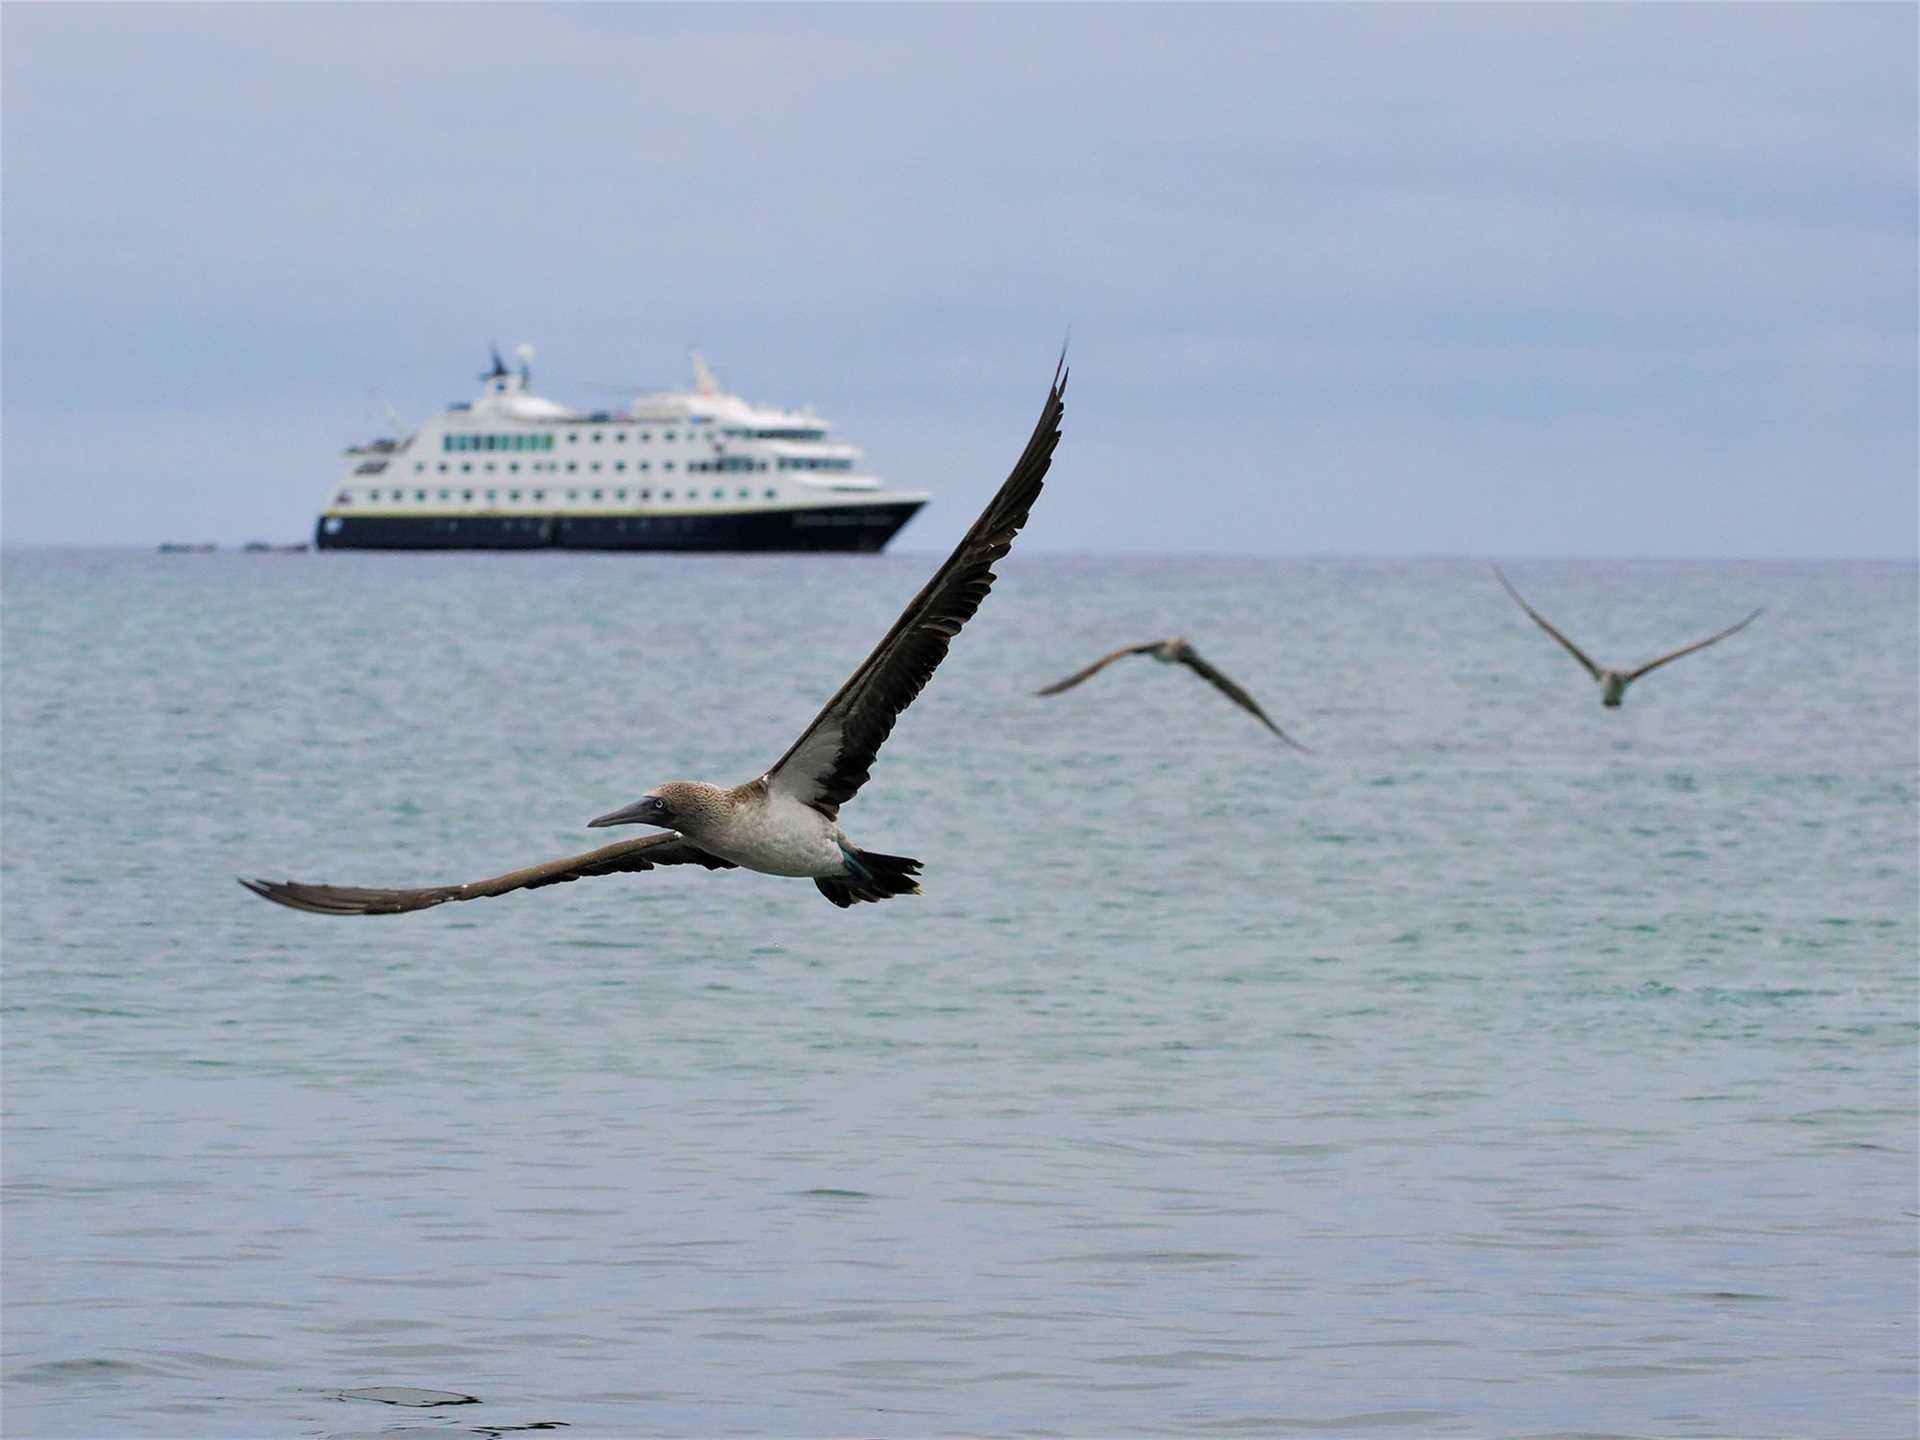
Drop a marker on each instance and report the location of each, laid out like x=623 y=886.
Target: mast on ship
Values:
x=703 y=379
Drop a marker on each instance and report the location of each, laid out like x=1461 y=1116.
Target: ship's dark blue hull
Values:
x=840 y=527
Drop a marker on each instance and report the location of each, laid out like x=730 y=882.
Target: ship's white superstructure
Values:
x=678 y=469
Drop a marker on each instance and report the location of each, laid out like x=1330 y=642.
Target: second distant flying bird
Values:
x=1613 y=683
x=1176 y=651
x=786 y=822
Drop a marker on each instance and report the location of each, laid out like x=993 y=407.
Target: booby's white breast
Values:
x=777 y=835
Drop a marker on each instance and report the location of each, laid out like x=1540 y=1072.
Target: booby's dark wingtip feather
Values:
x=892 y=676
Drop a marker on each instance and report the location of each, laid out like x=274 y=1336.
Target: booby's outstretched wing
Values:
x=831 y=760
x=1190 y=657
x=1633 y=675
x=1540 y=620
x=1099 y=665
x=642 y=854
x=1185 y=654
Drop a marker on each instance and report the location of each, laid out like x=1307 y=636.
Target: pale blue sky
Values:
x=1615 y=280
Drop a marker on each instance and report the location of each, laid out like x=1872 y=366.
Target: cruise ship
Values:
x=694 y=469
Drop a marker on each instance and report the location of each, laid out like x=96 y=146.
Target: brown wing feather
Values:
x=642 y=854
x=1097 y=666
x=832 y=758
x=1697 y=645
x=1540 y=620
x=1190 y=658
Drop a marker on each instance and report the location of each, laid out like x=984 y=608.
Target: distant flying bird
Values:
x=786 y=821
x=1613 y=683
x=1177 y=651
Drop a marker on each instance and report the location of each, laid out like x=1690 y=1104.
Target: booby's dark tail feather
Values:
x=876 y=877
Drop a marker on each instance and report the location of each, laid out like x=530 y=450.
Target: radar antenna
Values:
x=381 y=403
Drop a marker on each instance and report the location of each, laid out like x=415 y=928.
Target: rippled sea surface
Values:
x=1508 y=1066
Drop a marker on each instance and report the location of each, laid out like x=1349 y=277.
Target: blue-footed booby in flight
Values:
x=785 y=822
x=1177 y=651
x=1613 y=683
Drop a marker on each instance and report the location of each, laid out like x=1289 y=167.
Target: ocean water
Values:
x=1508 y=1066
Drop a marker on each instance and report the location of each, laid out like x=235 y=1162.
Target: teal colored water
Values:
x=1509 y=1066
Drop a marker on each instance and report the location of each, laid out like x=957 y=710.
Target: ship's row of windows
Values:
x=724 y=463
x=555 y=467
x=523 y=441
x=346 y=497
x=544 y=440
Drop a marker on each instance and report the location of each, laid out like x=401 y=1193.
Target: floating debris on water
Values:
x=409 y=1395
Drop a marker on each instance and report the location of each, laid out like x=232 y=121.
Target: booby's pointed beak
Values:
x=647 y=810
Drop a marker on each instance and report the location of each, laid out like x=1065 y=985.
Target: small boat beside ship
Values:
x=694 y=469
